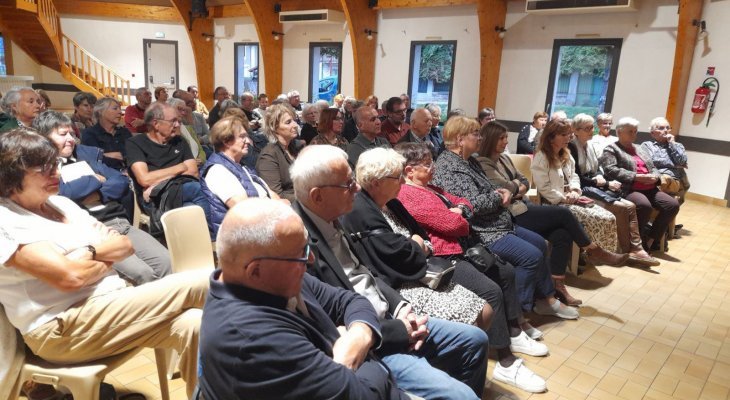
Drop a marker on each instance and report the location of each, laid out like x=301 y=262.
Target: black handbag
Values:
x=439 y=270
x=601 y=195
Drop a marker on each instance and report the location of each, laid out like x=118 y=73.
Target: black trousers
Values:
x=560 y=227
x=497 y=287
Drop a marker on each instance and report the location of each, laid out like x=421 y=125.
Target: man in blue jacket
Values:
x=105 y=193
x=271 y=331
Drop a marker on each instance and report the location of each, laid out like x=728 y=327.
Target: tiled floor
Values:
x=643 y=334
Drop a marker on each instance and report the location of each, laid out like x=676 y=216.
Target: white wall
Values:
x=645 y=65
x=229 y=31
x=398 y=27
x=119 y=44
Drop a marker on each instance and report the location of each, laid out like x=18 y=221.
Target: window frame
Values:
x=8 y=48
x=415 y=43
x=558 y=43
x=312 y=45
x=235 y=66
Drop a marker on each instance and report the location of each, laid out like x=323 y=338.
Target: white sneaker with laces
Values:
x=557 y=309
x=531 y=331
x=526 y=345
x=519 y=376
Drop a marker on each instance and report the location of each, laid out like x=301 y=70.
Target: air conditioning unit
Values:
x=312 y=16
x=579 y=6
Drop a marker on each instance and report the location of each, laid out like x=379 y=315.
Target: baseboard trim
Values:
x=706 y=199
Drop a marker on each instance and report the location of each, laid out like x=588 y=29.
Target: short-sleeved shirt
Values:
x=157 y=156
x=96 y=136
x=30 y=302
x=225 y=185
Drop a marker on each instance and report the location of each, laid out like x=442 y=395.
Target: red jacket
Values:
x=443 y=226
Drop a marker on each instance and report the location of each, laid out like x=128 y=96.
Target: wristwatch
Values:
x=91 y=250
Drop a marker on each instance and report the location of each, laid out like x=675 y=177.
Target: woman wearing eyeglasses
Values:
x=592 y=180
x=331 y=123
x=632 y=166
x=225 y=182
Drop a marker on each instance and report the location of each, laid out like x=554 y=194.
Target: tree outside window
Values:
x=431 y=75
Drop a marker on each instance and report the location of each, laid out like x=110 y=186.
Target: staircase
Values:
x=34 y=25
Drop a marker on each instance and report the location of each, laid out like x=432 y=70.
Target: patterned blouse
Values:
x=466 y=179
x=340 y=141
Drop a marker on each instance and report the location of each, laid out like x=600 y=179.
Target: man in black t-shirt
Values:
x=162 y=165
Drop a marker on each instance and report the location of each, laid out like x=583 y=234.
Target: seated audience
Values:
x=368 y=125
x=22 y=105
x=556 y=224
x=407 y=102
x=220 y=94
x=668 y=157
x=485 y=116
x=199 y=125
x=373 y=102
x=530 y=134
x=105 y=194
x=294 y=100
x=459 y=173
x=199 y=106
x=435 y=136
x=421 y=123
x=225 y=181
x=273 y=164
x=263 y=103
x=82 y=117
x=553 y=171
x=134 y=114
x=294 y=336
x=338 y=101
x=161 y=94
x=632 y=166
x=57 y=284
x=247 y=105
x=603 y=138
x=310 y=116
x=350 y=130
x=429 y=357
x=162 y=166
x=107 y=134
x=187 y=131
x=394 y=126
x=444 y=218
x=331 y=122
x=606 y=193
x=45 y=100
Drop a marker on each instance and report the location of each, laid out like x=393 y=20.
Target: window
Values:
x=324 y=71
x=431 y=75
x=246 y=68
x=3 y=65
x=583 y=76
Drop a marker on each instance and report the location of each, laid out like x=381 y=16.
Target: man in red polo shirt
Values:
x=134 y=114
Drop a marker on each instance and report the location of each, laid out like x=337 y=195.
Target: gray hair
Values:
x=604 y=117
x=292 y=94
x=226 y=104
x=140 y=91
x=322 y=104
x=559 y=115
x=81 y=96
x=262 y=215
x=357 y=113
x=313 y=168
x=173 y=101
x=155 y=111
x=582 y=119
x=102 y=105
x=12 y=97
x=627 y=122
x=49 y=120
x=350 y=100
x=309 y=106
x=656 y=122
x=434 y=109
x=376 y=164
x=247 y=95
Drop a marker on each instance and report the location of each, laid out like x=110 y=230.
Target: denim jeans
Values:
x=192 y=194
x=526 y=251
x=451 y=364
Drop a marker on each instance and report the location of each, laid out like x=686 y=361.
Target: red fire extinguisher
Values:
x=702 y=97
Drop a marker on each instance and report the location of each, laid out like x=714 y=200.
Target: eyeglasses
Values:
x=475 y=134
x=662 y=128
x=351 y=185
x=49 y=169
x=587 y=128
x=403 y=111
x=172 y=122
x=399 y=177
x=427 y=167
x=305 y=259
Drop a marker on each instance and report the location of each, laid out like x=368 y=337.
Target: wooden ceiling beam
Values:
x=117 y=10
x=202 y=50
x=382 y=4
x=228 y=11
x=684 y=51
x=359 y=18
x=272 y=51
x=491 y=13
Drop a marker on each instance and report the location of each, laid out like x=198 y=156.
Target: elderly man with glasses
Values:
x=272 y=331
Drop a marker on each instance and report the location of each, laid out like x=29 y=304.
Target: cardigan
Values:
x=273 y=167
x=550 y=182
x=444 y=227
x=502 y=173
x=465 y=178
x=619 y=165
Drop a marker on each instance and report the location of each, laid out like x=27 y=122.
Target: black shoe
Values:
x=678 y=227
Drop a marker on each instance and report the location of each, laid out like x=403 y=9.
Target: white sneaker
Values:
x=557 y=309
x=519 y=376
x=531 y=331
x=526 y=345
